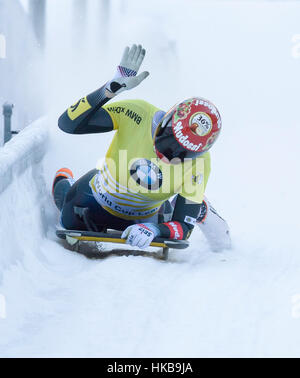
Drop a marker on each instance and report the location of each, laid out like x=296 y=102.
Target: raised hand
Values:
x=126 y=76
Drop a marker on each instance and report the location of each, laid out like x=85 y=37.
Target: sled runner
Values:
x=74 y=239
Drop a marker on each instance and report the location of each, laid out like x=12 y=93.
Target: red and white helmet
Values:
x=188 y=130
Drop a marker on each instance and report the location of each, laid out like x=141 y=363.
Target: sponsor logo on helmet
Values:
x=183 y=110
x=212 y=109
x=184 y=139
x=201 y=123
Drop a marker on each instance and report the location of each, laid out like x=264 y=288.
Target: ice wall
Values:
x=22 y=194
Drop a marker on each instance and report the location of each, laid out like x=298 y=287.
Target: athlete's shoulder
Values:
x=123 y=104
x=125 y=112
x=143 y=104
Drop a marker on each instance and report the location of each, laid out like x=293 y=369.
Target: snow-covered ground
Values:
x=242 y=302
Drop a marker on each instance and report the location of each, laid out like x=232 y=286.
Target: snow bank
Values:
x=22 y=192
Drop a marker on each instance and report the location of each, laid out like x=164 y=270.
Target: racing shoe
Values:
x=62 y=183
x=61 y=174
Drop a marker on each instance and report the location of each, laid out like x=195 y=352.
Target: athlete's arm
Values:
x=87 y=116
x=183 y=220
x=180 y=227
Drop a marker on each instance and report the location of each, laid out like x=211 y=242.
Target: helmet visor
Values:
x=167 y=145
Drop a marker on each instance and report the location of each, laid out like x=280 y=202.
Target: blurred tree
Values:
x=37 y=10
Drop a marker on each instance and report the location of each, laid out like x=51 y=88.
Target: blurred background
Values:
x=242 y=55
x=53 y=51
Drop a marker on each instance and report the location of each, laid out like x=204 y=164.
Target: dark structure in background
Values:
x=37 y=11
x=7 y=113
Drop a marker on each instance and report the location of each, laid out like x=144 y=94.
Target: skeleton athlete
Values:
x=153 y=180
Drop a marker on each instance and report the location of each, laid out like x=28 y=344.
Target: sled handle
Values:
x=111 y=240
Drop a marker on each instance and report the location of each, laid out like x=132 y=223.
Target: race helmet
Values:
x=187 y=130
